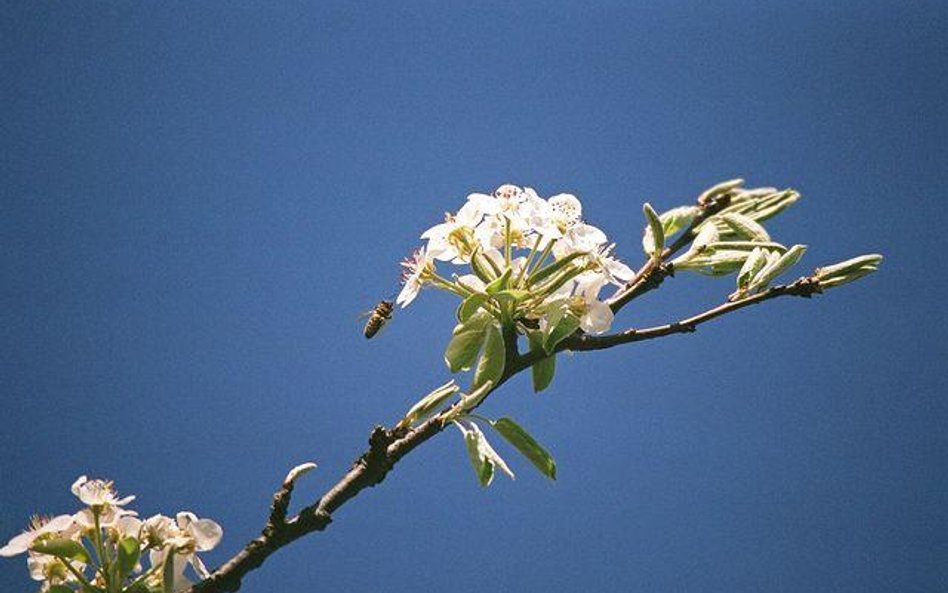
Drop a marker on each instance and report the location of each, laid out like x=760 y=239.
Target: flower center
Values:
x=462 y=239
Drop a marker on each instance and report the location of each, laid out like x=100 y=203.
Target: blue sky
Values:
x=198 y=201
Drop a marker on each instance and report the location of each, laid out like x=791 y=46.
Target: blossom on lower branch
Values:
x=101 y=547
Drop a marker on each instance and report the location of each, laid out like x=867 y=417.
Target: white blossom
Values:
x=98 y=493
x=413 y=276
x=186 y=535
x=39 y=526
x=51 y=570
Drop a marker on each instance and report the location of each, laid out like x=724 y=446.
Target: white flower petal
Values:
x=438 y=230
x=18 y=544
x=205 y=532
x=597 y=319
x=60 y=523
x=408 y=293
x=473 y=282
x=84 y=519
x=78 y=484
x=199 y=567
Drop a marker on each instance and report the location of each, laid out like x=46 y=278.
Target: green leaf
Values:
x=466 y=342
x=752 y=265
x=470 y=306
x=138 y=588
x=478 y=321
x=707 y=234
x=745 y=246
x=543 y=273
x=491 y=365
x=658 y=232
x=544 y=368
x=499 y=283
x=527 y=445
x=850 y=265
x=483 y=467
x=848 y=277
x=486 y=475
x=719 y=189
x=431 y=402
x=167 y=572
x=60 y=589
x=777 y=267
x=62 y=548
x=774 y=204
x=673 y=221
x=511 y=297
x=746 y=227
x=568 y=324
x=463 y=349
x=473 y=399
x=129 y=550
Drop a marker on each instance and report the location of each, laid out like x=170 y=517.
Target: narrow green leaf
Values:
x=138 y=588
x=544 y=369
x=62 y=548
x=473 y=399
x=470 y=306
x=167 y=572
x=544 y=273
x=483 y=468
x=707 y=234
x=673 y=221
x=129 y=550
x=430 y=403
x=657 y=231
x=752 y=265
x=463 y=349
x=719 y=189
x=568 y=324
x=500 y=283
x=774 y=204
x=844 y=267
x=848 y=277
x=481 y=269
x=60 y=589
x=491 y=365
x=777 y=267
x=677 y=219
x=713 y=263
x=486 y=476
x=745 y=246
x=745 y=227
x=511 y=297
x=527 y=445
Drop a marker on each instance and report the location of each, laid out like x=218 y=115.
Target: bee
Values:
x=378 y=317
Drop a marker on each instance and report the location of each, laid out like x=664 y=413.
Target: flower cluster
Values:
x=529 y=267
x=533 y=268
x=539 y=252
x=101 y=547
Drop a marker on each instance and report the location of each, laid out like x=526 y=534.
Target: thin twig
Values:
x=804 y=287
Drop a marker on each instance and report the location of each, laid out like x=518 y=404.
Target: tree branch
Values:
x=804 y=287
x=388 y=446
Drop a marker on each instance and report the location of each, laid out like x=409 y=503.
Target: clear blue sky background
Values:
x=197 y=201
